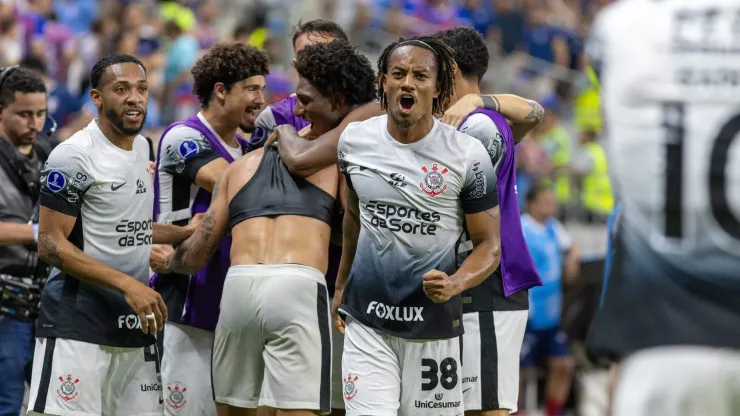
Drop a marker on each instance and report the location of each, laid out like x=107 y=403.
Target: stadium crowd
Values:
x=537 y=51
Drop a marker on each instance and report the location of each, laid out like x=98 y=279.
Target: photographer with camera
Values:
x=23 y=113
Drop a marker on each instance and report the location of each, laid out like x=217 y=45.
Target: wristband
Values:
x=36 y=233
x=489 y=103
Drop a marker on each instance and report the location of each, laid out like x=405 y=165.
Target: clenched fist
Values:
x=438 y=286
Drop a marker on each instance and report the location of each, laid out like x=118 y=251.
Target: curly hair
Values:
x=227 y=63
x=445 y=68
x=113 y=59
x=470 y=51
x=337 y=68
x=19 y=79
x=319 y=26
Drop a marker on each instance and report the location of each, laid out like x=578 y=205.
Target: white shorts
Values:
x=387 y=375
x=678 y=381
x=337 y=345
x=273 y=339
x=74 y=378
x=490 y=359
x=186 y=371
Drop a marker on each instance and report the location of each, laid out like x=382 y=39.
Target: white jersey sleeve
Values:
x=481 y=127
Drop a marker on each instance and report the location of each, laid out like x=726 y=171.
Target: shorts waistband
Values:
x=266 y=270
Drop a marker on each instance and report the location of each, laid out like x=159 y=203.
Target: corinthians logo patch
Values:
x=433 y=183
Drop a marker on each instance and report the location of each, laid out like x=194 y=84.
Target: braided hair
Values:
x=444 y=56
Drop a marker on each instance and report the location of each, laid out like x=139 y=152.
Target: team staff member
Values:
x=192 y=155
x=273 y=346
x=95 y=334
x=496 y=311
x=412 y=182
x=23 y=111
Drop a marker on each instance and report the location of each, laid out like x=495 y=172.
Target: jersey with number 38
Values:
x=670 y=79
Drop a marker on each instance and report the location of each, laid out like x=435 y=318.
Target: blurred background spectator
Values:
x=536 y=46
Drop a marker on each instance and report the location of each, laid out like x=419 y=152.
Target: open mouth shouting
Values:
x=134 y=115
x=406 y=103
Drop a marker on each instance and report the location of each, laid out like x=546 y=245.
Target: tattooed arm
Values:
x=57 y=251
x=194 y=252
x=523 y=115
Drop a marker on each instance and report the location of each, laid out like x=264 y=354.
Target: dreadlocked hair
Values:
x=445 y=58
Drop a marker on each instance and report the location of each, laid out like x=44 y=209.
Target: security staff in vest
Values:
x=590 y=165
x=23 y=113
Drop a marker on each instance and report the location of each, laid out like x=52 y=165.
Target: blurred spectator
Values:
x=542 y=40
x=590 y=165
x=557 y=142
x=556 y=257
x=182 y=53
x=62 y=105
x=78 y=15
x=11 y=41
x=508 y=28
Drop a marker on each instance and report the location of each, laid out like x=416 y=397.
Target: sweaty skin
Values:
x=262 y=240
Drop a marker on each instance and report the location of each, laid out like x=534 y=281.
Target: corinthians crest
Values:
x=68 y=389
x=433 y=183
x=176 y=396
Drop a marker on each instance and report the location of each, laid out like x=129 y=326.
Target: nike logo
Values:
x=161 y=400
x=466 y=389
x=114 y=187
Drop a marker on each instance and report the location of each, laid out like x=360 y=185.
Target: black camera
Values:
x=20 y=298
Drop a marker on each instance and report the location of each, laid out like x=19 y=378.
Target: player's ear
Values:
x=219 y=90
x=337 y=100
x=96 y=97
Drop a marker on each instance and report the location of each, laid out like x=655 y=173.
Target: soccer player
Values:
x=306 y=157
x=95 y=351
x=412 y=183
x=496 y=311
x=192 y=155
x=668 y=72
x=272 y=345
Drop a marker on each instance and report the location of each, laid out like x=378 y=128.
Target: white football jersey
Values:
x=670 y=89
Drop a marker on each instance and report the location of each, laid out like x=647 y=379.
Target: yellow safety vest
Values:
x=588 y=105
x=597 y=191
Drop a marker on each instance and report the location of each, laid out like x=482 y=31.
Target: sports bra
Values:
x=274 y=191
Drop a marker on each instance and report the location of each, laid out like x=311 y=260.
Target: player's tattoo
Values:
x=537 y=114
x=202 y=243
x=216 y=188
x=48 y=247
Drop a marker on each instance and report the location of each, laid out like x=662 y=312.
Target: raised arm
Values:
x=522 y=114
x=60 y=207
x=306 y=157
x=193 y=253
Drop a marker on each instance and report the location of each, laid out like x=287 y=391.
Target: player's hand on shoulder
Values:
x=455 y=115
x=438 y=286
x=336 y=319
x=148 y=304
x=158 y=256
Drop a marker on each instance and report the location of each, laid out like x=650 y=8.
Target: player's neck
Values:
x=412 y=134
x=464 y=87
x=114 y=135
x=221 y=124
x=539 y=219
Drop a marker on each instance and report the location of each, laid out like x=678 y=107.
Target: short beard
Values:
x=117 y=122
x=247 y=128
